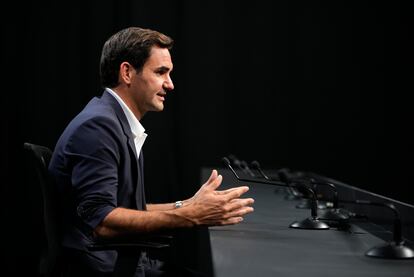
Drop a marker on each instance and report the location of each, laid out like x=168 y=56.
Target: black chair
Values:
x=51 y=261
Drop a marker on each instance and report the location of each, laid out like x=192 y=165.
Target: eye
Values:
x=162 y=70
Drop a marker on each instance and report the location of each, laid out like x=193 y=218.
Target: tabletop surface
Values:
x=264 y=245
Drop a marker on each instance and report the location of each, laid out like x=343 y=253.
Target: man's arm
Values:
x=121 y=221
x=164 y=206
x=167 y=206
x=207 y=207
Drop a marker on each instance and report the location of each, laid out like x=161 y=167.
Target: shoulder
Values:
x=97 y=116
x=96 y=126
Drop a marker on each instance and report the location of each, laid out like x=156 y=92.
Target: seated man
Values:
x=98 y=163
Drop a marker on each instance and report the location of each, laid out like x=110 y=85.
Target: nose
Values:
x=168 y=83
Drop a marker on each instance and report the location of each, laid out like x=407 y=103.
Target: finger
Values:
x=239 y=203
x=213 y=176
x=236 y=193
x=232 y=221
x=242 y=202
x=239 y=212
x=222 y=192
x=214 y=184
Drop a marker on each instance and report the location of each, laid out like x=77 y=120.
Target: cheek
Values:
x=152 y=86
x=160 y=84
x=155 y=87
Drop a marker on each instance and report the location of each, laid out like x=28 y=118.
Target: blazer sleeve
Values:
x=93 y=153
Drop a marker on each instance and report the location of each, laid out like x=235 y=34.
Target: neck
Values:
x=124 y=95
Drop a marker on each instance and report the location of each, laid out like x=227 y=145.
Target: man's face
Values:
x=151 y=85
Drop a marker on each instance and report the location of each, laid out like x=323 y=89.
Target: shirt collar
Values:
x=136 y=127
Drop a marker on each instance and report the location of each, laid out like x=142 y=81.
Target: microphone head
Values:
x=244 y=164
x=226 y=161
x=255 y=164
x=283 y=175
x=228 y=165
x=232 y=157
x=235 y=161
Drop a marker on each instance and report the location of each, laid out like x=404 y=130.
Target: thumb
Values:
x=212 y=177
x=215 y=183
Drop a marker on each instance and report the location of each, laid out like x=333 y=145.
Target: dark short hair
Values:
x=132 y=45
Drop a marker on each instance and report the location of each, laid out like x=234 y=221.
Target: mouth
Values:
x=161 y=95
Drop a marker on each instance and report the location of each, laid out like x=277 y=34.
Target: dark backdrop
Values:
x=315 y=86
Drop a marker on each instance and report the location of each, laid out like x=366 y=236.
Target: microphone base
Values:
x=391 y=250
x=310 y=223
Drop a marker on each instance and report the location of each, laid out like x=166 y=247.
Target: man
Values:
x=98 y=164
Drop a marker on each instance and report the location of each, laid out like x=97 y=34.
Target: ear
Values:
x=125 y=73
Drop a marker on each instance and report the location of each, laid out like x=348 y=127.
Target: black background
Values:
x=314 y=86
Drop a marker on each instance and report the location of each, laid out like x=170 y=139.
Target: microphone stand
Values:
x=293 y=194
x=256 y=165
x=330 y=214
x=242 y=165
x=247 y=168
x=311 y=222
x=394 y=249
x=305 y=203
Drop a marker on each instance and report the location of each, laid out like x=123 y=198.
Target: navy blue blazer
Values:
x=95 y=167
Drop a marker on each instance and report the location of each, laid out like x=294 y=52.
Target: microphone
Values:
x=333 y=213
x=294 y=194
x=256 y=165
x=247 y=168
x=242 y=165
x=311 y=222
x=330 y=214
x=282 y=174
x=394 y=249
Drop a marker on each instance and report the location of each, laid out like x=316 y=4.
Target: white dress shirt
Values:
x=137 y=129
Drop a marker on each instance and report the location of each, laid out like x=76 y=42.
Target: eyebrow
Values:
x=163 y=68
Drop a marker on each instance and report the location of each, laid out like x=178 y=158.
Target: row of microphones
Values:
x=311 y=222
x=242 y=165
x=334 y=217
x=334 y=214
x=329 y=217
x=294 y=194
x=282 y=175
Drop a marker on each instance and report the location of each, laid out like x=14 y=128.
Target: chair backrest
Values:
x=40 y=158
x=51 y=263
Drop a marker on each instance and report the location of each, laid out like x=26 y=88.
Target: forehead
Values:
x=159 y=57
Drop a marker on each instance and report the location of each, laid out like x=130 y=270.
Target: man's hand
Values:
x=210 y=206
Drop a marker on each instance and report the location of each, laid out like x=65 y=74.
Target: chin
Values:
x=158 y=108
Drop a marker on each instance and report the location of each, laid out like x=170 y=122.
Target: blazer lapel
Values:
x=139 y=163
